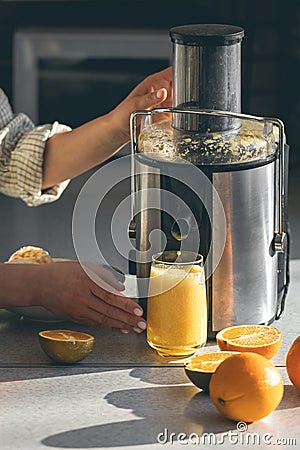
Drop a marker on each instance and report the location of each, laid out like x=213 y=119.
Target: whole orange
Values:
x=246 y=387
x=293 y=363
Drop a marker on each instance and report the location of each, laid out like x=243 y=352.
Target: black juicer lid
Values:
x=206 y=34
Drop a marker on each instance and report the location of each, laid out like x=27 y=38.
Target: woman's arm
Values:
x=71 y=153
x=66 y=290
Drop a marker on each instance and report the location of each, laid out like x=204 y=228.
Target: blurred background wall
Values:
x=75 y=89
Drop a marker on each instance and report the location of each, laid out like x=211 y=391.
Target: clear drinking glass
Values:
x=177 y=304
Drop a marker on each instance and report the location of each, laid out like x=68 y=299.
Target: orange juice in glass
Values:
x=177 y=305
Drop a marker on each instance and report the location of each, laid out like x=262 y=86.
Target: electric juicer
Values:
x=211 y=180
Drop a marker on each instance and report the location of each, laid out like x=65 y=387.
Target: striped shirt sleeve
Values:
x=22 y=146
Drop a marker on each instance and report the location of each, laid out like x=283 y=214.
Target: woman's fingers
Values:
x=115 y=319
x=162 y=79
x=155 y=90
x=150 y=100
x=110 y=308
x=117 y=311
x=113 y=305
x=113 y=297
x=98 y=317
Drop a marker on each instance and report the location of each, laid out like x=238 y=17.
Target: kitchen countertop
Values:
x=124 y=395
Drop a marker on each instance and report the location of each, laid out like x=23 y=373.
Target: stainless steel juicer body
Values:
x=250 y=280
x=248 y=283
x=242 y=164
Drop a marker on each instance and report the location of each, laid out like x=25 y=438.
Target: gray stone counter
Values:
x=137 y=408
x=123 y=395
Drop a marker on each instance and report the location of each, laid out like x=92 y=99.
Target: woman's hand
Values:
x=154 y=91
x=66 y=290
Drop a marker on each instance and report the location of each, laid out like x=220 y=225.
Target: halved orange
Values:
x=200 y=368
x=65 y=345
x=262 y=339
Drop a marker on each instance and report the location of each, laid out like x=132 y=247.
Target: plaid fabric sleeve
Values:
x=22 y=148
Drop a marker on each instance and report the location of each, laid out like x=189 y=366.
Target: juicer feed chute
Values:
x=207 y=74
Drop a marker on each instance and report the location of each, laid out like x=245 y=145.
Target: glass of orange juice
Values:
x=177 y=304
